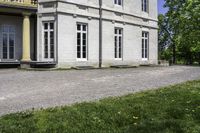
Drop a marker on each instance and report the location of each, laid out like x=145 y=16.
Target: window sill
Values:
x=118 y=7
x=118 y=59
x=81 y=60
x=144 y=59
x=145 y=14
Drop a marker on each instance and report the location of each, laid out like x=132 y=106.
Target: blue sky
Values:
x=161 y=9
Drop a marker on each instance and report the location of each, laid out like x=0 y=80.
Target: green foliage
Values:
x=174 y=109
x=164 y=39
x=183 y=21
x=166 y=54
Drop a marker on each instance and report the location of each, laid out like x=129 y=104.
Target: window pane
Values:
x=51 y=37
x=79 y=35
x=143 y=34
x=120 y=2
x=78 y=27
x=78 y=49
x=46 y=38
x=115 y=52
x=115 y=31
x=142 y=53
x=84 y=42
x=78 y=45
x=145 y=53
x=11 y=29
x=142 y=5
x=84 y=28
x=46 y=51
x=5 y=40
x=120 y=46
x=84 y=48
x=52 y=51
x=120 y=53
x=78 y=40
x=84 y=39
x=52 y=55
x=146 y=42
x=120 y=41
x=145 y=5
x=5 y=28
x=46 y=35
x=11 y=52
x=84 y=55
x=5 y=55
x=51 y=26
x=45 y=26
x=146 y=34
x=84 y=36
x=78 y=55
x=142 y=43
x=5 y=48
x=142 y=48
x=11 y=40
x=11 y=46
x=115 y=46
x=46 y=41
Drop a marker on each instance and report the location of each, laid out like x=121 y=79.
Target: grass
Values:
x=174 y=109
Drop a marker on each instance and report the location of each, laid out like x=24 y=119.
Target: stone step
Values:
x=123 y=66
x=83 y=67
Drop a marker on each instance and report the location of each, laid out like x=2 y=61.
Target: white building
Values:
x=98 y=33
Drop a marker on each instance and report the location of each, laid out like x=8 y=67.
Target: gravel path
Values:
x=21 y=90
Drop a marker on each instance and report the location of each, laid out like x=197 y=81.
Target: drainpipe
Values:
x=100 y=33
x=56 y=32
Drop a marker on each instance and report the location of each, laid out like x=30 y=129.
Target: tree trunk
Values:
x=174 y=54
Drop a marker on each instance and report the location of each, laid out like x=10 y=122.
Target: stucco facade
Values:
x=71 y=33
x=129 y=17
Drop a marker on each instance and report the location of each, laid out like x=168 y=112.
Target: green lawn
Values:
x=174 y=109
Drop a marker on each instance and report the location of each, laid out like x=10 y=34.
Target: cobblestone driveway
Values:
x=21 y=90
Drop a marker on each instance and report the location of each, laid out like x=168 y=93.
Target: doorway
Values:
x=8 y=39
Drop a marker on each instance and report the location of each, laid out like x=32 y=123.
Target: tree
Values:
x=164 y=39
x=183 y=20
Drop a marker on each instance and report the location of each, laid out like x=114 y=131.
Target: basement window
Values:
x=118 y=2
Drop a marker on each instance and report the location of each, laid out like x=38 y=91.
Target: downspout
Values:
x=100 y=33
x=56 y=32
x=35 y=38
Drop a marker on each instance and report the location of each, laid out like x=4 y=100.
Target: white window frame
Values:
x=117 y=48
x=8 y=43
x=145 y=5
x=118 y=2
x=49 y=30
x=81 y=31
x=145 y=47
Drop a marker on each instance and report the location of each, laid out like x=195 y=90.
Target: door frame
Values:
x=49 y=45
x=8 y=43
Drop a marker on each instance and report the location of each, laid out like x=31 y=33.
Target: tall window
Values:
x=145 y=45
x=8 y=37
x=118 y=2
x=48 y=40
x=82 y=41
x=145 y=5
x=118 y=43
